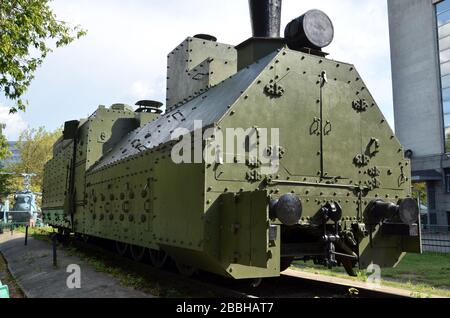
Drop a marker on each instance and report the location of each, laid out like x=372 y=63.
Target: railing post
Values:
x=55 y=262
x=26 y=235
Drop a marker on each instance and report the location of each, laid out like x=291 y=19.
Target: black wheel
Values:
x=85 y=238
x=256 y=282
x=121 y=248
x=63 y=236
x=82 y=237
x=185 y=270
x=158 y=258
x=285 y=263
x=137 y=252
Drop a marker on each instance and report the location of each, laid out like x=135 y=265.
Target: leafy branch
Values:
x=29 y=30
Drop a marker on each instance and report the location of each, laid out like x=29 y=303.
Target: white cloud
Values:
x=15 y=124
x=123 y=56
x=142 y=90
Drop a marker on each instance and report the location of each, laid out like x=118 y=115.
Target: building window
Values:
x=443 y=6
x=448 y=221
x=447 y=180
x=443 y=21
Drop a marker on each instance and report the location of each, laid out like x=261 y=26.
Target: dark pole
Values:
x=26 y=235
x=55 y=263
x=265 y=16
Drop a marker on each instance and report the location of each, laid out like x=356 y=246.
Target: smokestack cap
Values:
x=312 y=30
x=206 y=37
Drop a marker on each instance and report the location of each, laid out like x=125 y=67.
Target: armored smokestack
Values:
x=266 y=18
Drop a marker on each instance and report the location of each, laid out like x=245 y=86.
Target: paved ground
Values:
x=32 y=267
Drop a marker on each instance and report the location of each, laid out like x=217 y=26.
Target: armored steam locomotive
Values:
x=340 y=194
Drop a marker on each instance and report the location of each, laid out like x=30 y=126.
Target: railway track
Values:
x=289 y=285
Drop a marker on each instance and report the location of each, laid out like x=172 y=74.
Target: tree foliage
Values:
x=35 y=147
x=4 y=149
x=420 y=189
x=447 y=141
x=5 y=180
x=28 y=31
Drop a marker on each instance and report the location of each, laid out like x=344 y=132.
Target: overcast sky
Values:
x=123 y=57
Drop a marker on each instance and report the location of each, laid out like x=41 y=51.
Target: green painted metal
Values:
x=196 y=65
x=255 y=49
x=115 y=178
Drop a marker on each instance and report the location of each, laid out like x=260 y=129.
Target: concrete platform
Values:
x=32 y=267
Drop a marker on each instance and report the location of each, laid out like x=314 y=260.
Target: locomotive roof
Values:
x=208 y=108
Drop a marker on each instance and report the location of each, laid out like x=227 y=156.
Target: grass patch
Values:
x=7 y=279
x=424 y=275
x=39 y=233
x=430 y=269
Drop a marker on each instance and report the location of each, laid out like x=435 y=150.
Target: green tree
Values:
x=28 y=31
x=35 y=147
x=447 y=142
x=5 y=180
x=420 y=188
x=4 y=148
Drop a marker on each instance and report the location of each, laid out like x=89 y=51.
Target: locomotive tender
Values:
x=341 y=193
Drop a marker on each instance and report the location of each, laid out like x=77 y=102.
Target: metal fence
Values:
x=10 y=227
x=436 y=238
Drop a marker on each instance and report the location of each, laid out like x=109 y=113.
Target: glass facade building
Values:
x=443 y=21
x=420 y=55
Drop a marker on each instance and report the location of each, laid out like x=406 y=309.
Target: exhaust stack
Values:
x=265 y=17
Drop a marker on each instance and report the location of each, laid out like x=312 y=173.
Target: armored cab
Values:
x=83 y=143
x=268 y=152
x=195 y=65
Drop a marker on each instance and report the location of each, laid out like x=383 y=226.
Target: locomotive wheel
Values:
x=185 y=270
x=158 y=258
x=285 y=263
x=82 y=237
x=137 y=252
x=63 y=236
x=256 y=282
x=85 y=238
x=121 y=248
